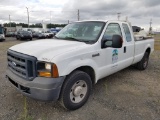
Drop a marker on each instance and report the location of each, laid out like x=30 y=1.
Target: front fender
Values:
x=70 y=66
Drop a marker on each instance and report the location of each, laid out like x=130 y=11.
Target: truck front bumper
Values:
x=41 y=88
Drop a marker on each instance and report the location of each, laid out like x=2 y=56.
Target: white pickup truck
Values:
x=65 y=68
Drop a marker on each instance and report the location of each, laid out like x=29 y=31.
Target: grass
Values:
x=25 y=115
x=157 y=42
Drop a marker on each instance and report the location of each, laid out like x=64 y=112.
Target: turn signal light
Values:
x=55 y=71
x=44 y=74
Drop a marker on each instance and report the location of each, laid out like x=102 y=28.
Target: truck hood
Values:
x=47 y=49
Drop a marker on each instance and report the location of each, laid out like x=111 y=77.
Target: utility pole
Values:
x=50 y=16
x=150 y=23
x=78 y=15
x=118 y=15
x=28 y=16
x=9 y=20
x=150 y=28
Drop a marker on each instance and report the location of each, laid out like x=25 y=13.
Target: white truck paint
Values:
x=92 y=59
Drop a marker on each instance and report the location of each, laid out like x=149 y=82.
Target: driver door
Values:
x=110 y=57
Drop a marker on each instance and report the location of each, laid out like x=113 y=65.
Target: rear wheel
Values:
x=20 y=38
x=142 y=65
x=76 y=90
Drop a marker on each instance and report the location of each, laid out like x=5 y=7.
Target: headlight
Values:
x=48 y=66
x=47 y=70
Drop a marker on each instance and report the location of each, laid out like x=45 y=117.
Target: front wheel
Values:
x=76 y=90
x=142 y=65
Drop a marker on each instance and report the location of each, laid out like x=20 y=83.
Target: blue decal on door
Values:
x=115 y=56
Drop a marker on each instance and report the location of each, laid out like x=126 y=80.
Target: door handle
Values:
x=124 y=49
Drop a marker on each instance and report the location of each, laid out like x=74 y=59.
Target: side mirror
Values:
x=116 y=42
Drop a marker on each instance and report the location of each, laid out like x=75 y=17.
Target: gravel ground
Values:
x=127 y=95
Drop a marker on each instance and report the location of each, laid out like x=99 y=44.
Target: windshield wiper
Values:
x=56 y=37
x=72 y=38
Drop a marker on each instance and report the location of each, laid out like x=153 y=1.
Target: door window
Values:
x=112 y=29
x=127 y=32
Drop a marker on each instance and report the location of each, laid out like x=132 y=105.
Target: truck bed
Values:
x=141 y=46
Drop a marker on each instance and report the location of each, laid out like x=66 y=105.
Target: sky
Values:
x=138 y=12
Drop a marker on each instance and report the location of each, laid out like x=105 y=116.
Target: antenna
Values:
x=78 y=15
x=126 y=18
x=118 y=15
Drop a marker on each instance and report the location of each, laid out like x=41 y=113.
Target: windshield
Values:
x=81 y=31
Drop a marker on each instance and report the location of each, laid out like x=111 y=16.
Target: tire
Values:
x=76 y=90
x=20 y=38
x=142 y=65
x=17 y=37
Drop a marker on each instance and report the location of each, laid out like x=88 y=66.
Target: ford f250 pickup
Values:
x=65 y=68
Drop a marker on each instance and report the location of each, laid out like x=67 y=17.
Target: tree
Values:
x=55 y=25
x=37 y=25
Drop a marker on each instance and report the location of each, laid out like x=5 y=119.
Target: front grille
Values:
x=22 y=65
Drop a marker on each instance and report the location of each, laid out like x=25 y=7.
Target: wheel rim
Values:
x=78 y=91
x=145 y=62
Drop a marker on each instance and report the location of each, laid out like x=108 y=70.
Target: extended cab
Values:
x=66 y=67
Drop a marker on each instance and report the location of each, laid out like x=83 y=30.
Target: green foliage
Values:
x=25 y=115
x=12 y=24
x=55 y=25
x=37 y=25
